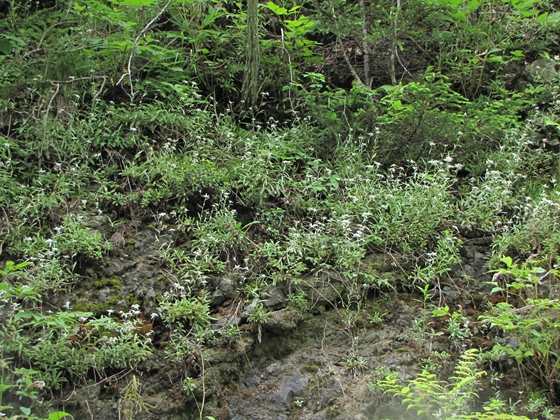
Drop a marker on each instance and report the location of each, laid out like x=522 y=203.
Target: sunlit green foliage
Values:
x=378 y=128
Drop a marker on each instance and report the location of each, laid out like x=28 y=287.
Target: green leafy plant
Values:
x=299 y=300
x=378 y=129
x=533 y=324
x=381 y=373
x=426 y=394
x=194 y=311
x=377 y=317
x=132 y=402
x=258 y=316
x=24 y=383
x=438 y=262
x=457 y=325
x=355 y=364
x=60 y=346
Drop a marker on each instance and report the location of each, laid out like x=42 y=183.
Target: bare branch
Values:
x=140 y=34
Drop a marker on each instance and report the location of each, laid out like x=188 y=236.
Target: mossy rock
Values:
x=99 y=307
x=113 y=282
x=132 y=299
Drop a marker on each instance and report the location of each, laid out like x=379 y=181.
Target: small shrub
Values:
x=427 y=395
x=192 y=312
x=535 y=324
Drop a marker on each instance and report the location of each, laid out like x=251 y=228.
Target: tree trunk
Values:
x=250 y=87
x=395 y=16
x=365 y=45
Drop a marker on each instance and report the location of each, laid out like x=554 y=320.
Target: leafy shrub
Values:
x=193 y=312
x=434 y=398
x=70 y=240
x=534 y=323
x=57 y=347
x=535 y=229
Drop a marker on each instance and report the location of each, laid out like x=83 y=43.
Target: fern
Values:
x=446 y=399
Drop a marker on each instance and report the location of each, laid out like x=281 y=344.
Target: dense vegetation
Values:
x=376 y=127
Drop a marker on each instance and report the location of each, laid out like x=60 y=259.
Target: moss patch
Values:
x=99 y=307
x=114 y=282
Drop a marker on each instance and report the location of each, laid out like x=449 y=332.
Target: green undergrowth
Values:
x=270 y=205
x=430 y=397
x=127 y=112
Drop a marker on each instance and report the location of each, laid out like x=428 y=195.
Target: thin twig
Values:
x=75 y=79
x=365 y=45
x=203 y=387
x=142 y=32
x=344 y=55
x=402 y=65
x=90 y=413
x=45 y=119
x=347 y=60
x=100 y=89
x=324 y=337
x=290 y=67
x=57 y=85
x=350 y=129
x=395 y=15
x=527 y=308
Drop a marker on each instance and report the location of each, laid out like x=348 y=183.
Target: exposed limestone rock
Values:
x=542 y=69
x=284 y=320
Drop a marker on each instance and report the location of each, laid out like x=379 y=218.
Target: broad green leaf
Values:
x=542 y=18
x=24 y=314
x=553 y=17
x=6 y=46
x=452 y=3
x=459 y=16
x=441 y=311
x=494 y=50
x=8 y=269
x=389 y=88
x=397 y=105
x=276 y=9
x=59 y=415
x=17 y=40
x=529 y=13
x=496 y=59
x=507 y=261
x=473 y=4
